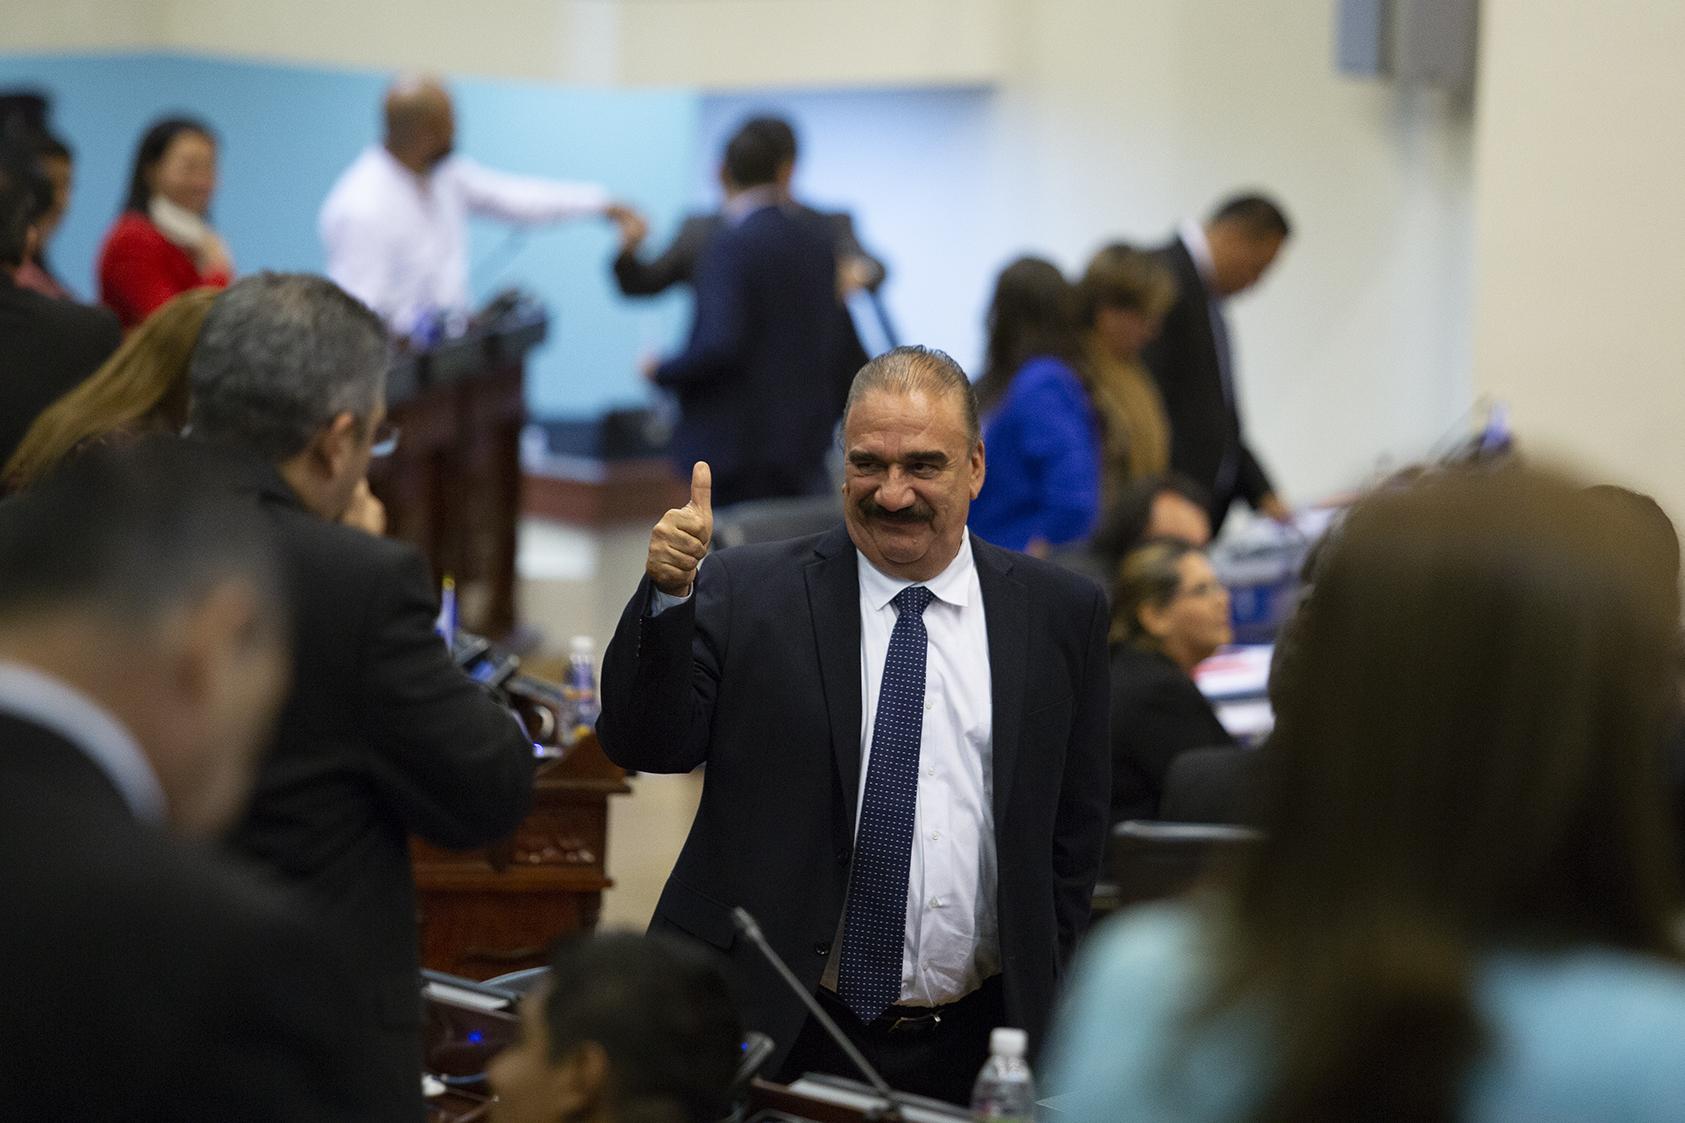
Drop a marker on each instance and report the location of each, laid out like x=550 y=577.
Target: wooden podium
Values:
x=490 y=911
x=453 y=487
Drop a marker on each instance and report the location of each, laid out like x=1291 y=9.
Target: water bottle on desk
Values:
x=580 y=687
x=1005 y=1091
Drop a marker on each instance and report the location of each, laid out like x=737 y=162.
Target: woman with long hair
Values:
x=163 y=243
x=1043 y=482
x=141 y=389
x=1465 y=906
x=1122 y=299
x=1169 y=614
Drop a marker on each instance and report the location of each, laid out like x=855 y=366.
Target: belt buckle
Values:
x=915 y=1023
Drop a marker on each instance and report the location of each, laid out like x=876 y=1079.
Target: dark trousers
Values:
x=936 y=1056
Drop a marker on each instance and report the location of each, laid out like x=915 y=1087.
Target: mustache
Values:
x=919 y=512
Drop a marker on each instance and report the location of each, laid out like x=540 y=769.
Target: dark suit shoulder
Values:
x=1139 y=675
x=1050 y=578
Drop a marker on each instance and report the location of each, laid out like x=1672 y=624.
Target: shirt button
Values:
x=929 y=704
x=936 y=902
x=931 y=771
x=936 y=836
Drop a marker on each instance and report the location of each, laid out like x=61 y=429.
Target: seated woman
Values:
x=1465 y=905
x=1169 y=614
x=1042 y=488
x=1122 y=298
x=163 y=244
x=626 y=1029
x=141 y=389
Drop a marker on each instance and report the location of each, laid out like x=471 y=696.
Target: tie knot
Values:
x=914 y=599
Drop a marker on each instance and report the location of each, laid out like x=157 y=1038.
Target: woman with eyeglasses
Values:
x=1169 y=614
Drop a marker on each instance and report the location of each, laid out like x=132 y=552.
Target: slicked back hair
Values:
x=1257 y=214
x=914 y=369
x=281 y=355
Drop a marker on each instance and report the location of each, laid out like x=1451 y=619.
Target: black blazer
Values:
x=758 y=676
x=1204 y=428
x=47 y=346
x=381 y=737
x=149 y=979
x=757 y=381
x=1157 y=714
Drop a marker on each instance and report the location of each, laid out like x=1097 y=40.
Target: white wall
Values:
x=1581 y=299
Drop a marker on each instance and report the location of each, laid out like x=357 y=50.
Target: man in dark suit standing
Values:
x=756 y=381
x=142 y=658
x=857 y=270
x=47 y=346
x=905 y=734
x=1192 y=361
x=381 y=736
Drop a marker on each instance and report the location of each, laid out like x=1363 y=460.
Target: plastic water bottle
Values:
x=580 y=687
x=1005 y=1091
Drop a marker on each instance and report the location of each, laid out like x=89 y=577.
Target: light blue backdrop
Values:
x=286 y=132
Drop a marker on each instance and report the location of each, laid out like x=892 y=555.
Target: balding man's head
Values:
x=420 y=122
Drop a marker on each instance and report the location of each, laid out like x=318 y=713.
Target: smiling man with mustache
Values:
x=905 y=729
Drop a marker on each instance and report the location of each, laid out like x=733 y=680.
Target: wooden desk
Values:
x=498 y=909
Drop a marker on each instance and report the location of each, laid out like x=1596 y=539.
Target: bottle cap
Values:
x=1005 y=1042
x=582 y=645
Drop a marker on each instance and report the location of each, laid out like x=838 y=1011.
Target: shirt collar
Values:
x=745 y=203
x=951 y=586
x=56 y=706
x=1193 y=237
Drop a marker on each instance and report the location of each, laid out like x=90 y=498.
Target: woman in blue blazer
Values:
x=1043 y=482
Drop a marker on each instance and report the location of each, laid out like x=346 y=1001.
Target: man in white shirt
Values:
x=395 y=224
x=142 y=658
x=905 y=731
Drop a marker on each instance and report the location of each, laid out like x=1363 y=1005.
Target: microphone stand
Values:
x=890 y=1110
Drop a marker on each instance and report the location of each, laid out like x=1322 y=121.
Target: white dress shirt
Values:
x=398 y=241
x=60 y=708
x=953 y=942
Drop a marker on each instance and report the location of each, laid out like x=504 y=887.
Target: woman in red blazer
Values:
x=163 y=243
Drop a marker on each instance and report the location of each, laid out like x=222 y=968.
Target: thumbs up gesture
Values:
x=680 y=540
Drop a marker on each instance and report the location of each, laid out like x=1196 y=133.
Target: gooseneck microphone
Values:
x=751 y=930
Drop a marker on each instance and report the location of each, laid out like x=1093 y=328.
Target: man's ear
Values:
x=214 y=633
x=336 y=443
x=977 y=469
x=580 y=1081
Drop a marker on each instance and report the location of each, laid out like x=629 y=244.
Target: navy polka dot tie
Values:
x=874 y=932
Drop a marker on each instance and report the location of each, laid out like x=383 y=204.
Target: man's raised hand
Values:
x=680 y=540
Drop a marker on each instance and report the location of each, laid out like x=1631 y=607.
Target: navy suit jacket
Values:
x=1204 y=424
x=758 y=676
x=757 y=381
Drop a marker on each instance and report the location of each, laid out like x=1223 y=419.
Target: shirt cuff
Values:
x=660 y=602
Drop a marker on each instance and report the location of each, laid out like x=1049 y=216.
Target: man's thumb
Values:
x=702 y=488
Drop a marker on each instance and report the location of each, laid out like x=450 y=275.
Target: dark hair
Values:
x=20 y=202
x=153 y=144
x=775 y=131
x=1032 y=312
x=1657 y=531
x=129 y=533
x=661 y=1012
x=1149 y=575
x=1121 y=276
x=906 y=369
x=279 y=356
x=1124 y=525
x=1477 y=767
x=1259 y=215
x=50 y=144
x=756 y=152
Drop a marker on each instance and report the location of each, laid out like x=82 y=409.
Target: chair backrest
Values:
x=772 y=520
x=1150 y=861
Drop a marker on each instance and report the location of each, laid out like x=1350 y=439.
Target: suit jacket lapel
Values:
x=1006 y=613
x=833 y=596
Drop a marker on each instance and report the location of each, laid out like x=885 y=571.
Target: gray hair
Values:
x=280 y=356
x=908 y=370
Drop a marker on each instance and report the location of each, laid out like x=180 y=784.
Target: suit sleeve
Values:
x=1079 y=839
x=1065 y=460
x=1253 y=483
x=675 y=265
x=661 y=676
x=720 y=335
x=848 y=247
x=452 y=762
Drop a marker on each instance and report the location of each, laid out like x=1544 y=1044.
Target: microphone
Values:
x=751 y=930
